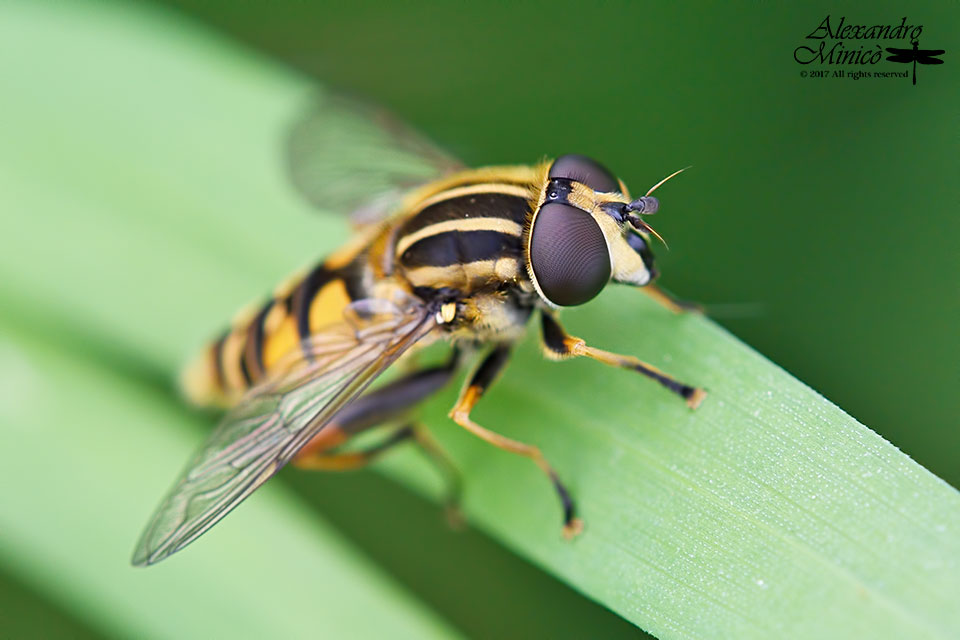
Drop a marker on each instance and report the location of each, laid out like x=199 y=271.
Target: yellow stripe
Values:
x=230 y=360
x=461 y=275
x=488 y=175
x=506 y=268
x=463 y=224
x=271 y=323
x=198 y=381
x=280 y=342
x=328 y=304
x=456 y=192
x=436 y=277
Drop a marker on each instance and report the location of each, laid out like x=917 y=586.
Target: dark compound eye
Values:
x=585 y=170
x=568 y=254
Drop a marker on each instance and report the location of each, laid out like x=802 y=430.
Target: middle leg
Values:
x=471 y=394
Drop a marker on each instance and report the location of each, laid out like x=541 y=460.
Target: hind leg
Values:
x=386 y=404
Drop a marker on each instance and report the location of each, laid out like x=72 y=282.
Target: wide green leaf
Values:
x=141 y=163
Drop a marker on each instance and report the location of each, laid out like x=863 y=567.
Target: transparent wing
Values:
x=351 y=158
x=277 y=418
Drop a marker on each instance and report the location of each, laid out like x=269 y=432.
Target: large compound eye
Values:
x=568 y=254
x=585 y=170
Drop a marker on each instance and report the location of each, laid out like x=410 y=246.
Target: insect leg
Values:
x=381 y=405
x=377 y=407
x=668 y=301
x=460 y=413
x=432 y=449
x=351 y=460
x=557 y=344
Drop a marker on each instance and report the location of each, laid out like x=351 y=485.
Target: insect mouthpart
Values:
x=637 y=223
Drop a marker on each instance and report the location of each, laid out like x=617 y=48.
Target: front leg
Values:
x=670 y=302
x=557 y=344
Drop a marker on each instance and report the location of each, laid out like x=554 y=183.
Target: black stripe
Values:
x=245 y=370
x=456 y=247
x=305 y=292
x=217 y=349
x=490 y=367
x=253 y=349
x=477 y=205
x=352 y=276
x=553 y=335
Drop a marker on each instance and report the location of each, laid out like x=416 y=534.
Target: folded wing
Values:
x=281 y=415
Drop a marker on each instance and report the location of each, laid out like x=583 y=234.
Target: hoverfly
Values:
x=466 y=257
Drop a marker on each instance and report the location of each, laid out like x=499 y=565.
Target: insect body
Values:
x=467 y=258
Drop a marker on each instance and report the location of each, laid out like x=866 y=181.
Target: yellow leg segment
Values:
x=577 y=347
x=319 y=459
x=461 y=415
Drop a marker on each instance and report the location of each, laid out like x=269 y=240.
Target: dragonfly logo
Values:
x=915 y=55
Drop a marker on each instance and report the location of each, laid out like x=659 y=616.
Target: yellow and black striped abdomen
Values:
x=467 y=238
x=258 y=339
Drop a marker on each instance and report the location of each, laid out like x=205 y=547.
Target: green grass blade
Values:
x=149 y=163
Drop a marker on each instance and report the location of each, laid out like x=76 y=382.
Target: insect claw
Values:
x=572 y=529
x=696 y=398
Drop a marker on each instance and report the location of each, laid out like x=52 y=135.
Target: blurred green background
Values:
x=818 y=219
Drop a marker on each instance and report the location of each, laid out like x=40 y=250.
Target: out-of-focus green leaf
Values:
x=35 y=616
x=79 y=449
x=86 y=453
x=150 y=166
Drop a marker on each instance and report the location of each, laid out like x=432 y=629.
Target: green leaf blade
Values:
x=766 y=512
